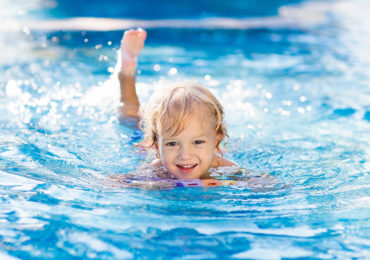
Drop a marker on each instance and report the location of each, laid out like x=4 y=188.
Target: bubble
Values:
x=303 y=99
x=207 y=77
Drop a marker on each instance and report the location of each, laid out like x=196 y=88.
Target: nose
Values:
x=185 y=152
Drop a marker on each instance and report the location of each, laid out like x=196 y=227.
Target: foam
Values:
x=17 y=182
x=5 y=256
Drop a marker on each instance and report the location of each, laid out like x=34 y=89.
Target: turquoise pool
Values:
x=293 y=76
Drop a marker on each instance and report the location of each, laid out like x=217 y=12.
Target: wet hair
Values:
x=167 y=112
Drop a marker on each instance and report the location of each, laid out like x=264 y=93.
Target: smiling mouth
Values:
x=186 y=166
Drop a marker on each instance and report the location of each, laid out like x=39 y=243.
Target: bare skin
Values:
x=131 y=44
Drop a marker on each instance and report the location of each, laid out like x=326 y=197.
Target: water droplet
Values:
x=26 y=30
x=55 y=39
x=12 y=89
x=172 y=72
x=285 y=113
x=157 y=67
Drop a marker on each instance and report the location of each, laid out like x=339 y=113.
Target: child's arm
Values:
x=131 y=45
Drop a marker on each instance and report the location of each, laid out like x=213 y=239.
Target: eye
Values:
x=199 y=142
x=171 y=144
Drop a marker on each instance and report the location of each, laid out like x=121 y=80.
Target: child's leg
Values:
x=131 y=45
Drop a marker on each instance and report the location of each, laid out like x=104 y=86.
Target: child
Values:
x=183 y=125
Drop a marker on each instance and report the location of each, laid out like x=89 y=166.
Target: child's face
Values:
x=191 y=153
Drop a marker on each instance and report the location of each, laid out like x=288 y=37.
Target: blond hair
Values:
x=167 y=113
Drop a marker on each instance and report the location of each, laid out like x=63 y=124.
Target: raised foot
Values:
x=131 y=44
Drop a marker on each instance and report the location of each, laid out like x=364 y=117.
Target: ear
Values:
x=219 y=138
x=156 y=148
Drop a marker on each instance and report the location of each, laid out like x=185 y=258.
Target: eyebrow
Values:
x=166 y=139
x=201 y=136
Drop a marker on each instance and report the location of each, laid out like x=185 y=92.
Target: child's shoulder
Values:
x=155 y=163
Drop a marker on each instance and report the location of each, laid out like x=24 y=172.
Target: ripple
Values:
x=297 y=107
x=16 y=182
x=367 y=116
x=345 y=112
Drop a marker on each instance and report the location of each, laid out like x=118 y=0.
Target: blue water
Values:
x=297 y=98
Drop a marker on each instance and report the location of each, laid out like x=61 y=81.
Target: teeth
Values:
x=187 y=165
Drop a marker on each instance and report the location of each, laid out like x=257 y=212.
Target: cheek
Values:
x=213 y=146
x=165 y=154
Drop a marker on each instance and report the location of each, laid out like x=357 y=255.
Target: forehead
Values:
x=195 y=124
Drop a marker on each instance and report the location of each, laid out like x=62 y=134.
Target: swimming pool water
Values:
x=297 y=99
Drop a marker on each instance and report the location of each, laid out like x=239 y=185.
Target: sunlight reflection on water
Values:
x=296 y=103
